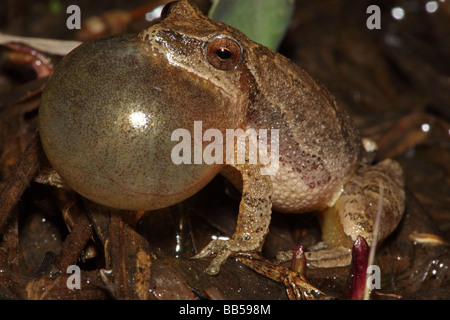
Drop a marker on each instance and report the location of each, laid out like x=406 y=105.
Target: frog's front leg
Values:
x=253 y=220
x=372 y=191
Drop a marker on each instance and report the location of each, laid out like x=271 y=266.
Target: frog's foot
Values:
x=320 y=256
x=329 y=258
x=221 y=250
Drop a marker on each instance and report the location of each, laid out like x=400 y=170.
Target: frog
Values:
x=110 y=139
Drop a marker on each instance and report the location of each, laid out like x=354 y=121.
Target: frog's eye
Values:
x=223 y=53
x=166 y=9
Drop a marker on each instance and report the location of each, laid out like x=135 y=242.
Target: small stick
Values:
x=20 y=178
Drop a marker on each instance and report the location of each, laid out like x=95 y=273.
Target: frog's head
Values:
x=213 y=53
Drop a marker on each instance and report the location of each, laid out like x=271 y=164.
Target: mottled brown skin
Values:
x=167 y=71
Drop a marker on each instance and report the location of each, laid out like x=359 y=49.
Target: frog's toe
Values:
x=212 y=249
x=221 y=250
x=319 y=256
x=329 y=258
x=218 y=248
x=219 y=259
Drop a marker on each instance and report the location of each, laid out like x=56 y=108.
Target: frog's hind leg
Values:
x=373 y=190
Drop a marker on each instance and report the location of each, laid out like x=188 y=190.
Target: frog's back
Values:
x=319 y=146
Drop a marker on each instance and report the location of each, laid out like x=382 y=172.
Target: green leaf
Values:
x=263 y=21
x=55 y=6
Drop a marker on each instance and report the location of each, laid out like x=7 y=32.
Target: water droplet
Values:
x=431 y=6
x=398 y=13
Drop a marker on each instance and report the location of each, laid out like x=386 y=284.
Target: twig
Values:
x=58 y=47
x=80 y=232
x=20 y=178
x=373 y=247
